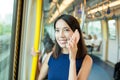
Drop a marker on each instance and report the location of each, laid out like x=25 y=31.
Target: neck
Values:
x=65 y=50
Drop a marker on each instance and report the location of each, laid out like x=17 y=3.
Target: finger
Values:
x=75 y=40
x=34 y=53
x=67 y=42
x=71 y=44
x=68 y=46
x=38 y=52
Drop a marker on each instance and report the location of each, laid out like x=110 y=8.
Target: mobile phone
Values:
x=76 y=36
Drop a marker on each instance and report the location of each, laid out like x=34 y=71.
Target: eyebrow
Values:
x=67 y=27
x=64 y=27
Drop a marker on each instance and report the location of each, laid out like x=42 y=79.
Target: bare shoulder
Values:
x=47 y=57
x=87 y=60
x=85 y=68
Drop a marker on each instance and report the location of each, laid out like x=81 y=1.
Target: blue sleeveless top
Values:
x=59 y=68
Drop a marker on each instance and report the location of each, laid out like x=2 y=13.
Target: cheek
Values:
x=68 y=35
x=56 y=36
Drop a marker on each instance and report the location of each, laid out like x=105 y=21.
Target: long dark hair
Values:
x=48 y=43
x=73 y=24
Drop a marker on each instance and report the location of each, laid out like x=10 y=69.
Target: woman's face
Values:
x=62 y=33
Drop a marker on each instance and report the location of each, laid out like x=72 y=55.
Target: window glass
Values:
x=112 y=29
x=84 y=28
x=94 y=28
x=6 y=12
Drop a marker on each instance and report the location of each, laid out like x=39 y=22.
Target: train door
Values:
x=112 y=41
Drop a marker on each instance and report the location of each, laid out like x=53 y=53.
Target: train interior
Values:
x=99 y=21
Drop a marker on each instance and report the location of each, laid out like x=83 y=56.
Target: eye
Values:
x=57 y=30
x=66 y=30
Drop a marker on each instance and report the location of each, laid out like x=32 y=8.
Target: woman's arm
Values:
x=83 y=72
x=86 y=65
x=85 y=68
x=44 y=68
x=72 y=70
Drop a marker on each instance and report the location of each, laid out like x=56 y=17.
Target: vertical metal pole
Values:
x=36 y=38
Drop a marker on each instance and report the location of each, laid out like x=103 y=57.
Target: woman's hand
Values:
x=72 y=48
x=34 y=53
x=72 y=45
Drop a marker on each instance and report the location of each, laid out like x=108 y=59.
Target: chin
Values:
x=63 y=46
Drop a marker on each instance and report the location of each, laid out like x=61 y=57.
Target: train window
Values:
x=6 y=12
x=94 y=28
x=112 y=29
x=84 y=28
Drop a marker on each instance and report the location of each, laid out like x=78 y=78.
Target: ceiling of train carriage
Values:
x=50 y=7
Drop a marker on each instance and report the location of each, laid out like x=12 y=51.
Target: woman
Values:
x=69 y=59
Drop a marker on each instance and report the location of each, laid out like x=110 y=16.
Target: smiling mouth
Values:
x=63 y=42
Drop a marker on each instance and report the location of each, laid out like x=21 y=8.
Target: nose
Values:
x=62 y=34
